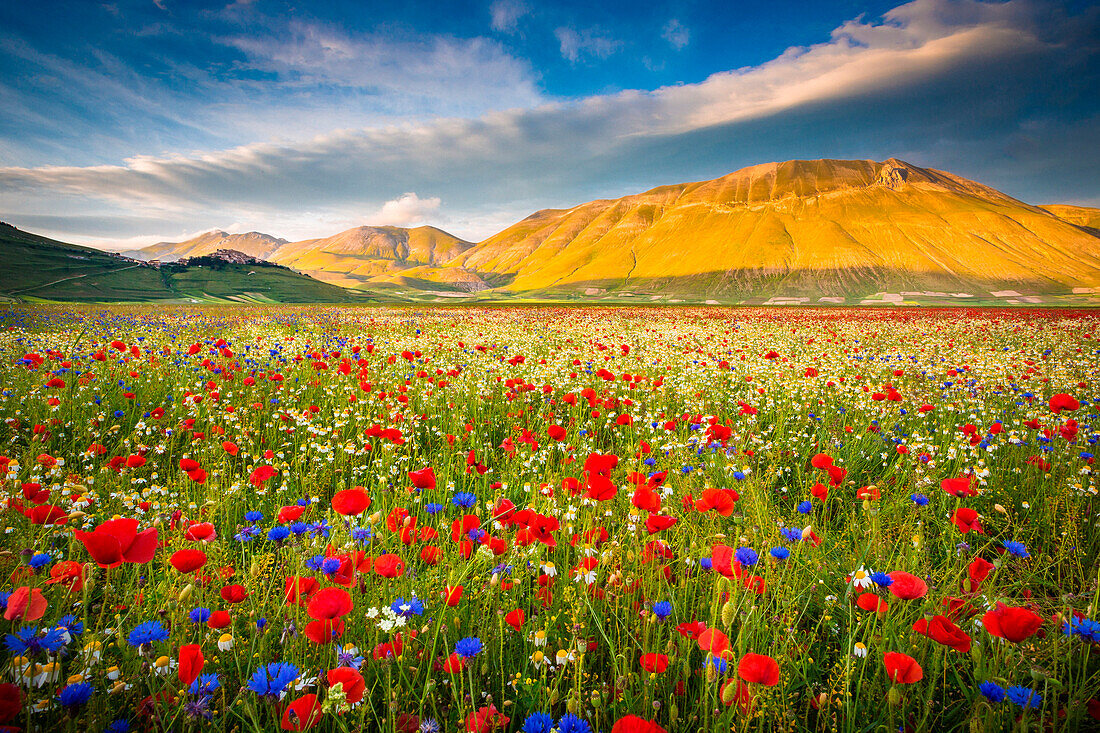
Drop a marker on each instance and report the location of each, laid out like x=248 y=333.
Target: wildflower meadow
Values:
x=548 y=519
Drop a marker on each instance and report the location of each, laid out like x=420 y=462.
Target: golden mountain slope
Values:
x=251 y=243
x=799 y=228
x=353 y=257
x=1082 y=216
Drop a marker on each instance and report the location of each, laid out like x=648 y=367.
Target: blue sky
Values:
x=126 y=123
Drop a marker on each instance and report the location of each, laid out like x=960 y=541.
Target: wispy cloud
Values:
x=586 y=43
x=504 y=15
x=676 y=33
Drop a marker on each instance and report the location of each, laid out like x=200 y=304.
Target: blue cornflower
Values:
x=992 y=691
x=919 y=499
x=1025 y=697
x=538 y=723
x=362 y=534
x=468 y=647
x=261 y=623
x=278 y=534
x=70 y=624
x=706 y=563
x=780 y=553
x=4 y=595
x=272 y=679
x=881 y=579
x=147 y=633
x=345 y=658
x=464 y=499
x=320 y=528
x=570 y=723
x=39 y=560
x=199 y=615
x=1087 y=629
x=254 y=516
x=408 y=608
x=299 y=528
x=718 y=663
x=330 y=565
x=314 y=563
x=1016 y=548
x=248 y=534
x=73 y=696
x=118 y=726
x=746 y=556
x=662 y=609
x=791 y=534
x=805 y=507
x=27 y=642
x=433 y=508
x=205 y=684
x=429 y=725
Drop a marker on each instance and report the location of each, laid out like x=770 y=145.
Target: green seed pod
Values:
x=729 y=693
x=595 y=699
x=484 y=668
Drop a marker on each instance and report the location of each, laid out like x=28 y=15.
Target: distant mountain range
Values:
x=819 y=231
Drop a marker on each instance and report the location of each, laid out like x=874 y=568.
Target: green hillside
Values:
x=35 y=268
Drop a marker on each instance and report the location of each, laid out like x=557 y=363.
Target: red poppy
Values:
x=713 y=641
x=69 y=573
x=260 y=475
x=46 y=514
x=1009 y=622
x=230 y=448
x=961 y=487
x=902 y=668
x=720 y=500
x=389 y=566
x=324 y=631
x=978 y=571
x=1063 y=401
x=656 y=663
x=351 y=501
x=302 y=714
x=871 y=602
x=515 y=619
x=11 y=702
x=298 y=590
x=646 y=499
x=655 y=523
x=26 y=604
x=201 y=532
x=460 y=528
x=556 y=432
x=634 y=724
x=941 y=630
x=117 y=541
x=907 y=586
x=350 y=680
x=822 y=461
x=187 y=561
x=966 y=519
x=759 y=669
x=329 y=603
x=191 y=662
x=219 y=620
x=485 y=719
x=234 y=593
x=424 y=478
x=452 y=594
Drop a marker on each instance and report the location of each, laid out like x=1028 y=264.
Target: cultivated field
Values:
x=549 y=519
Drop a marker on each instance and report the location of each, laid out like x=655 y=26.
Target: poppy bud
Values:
x=594 y=699
x=255 y=569
x=894 y=697
x=727 y=613
x=186 y=593
x=729 y=692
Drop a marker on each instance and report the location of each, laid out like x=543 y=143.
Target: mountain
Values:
x=251 y=243
x=833 y=230
x=1082 y=216
x=364 y=254
x=35 y=268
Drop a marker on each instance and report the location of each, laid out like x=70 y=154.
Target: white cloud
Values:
x=676 y=34
x=505 y=15
x=589 y=42
x=406 y=210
